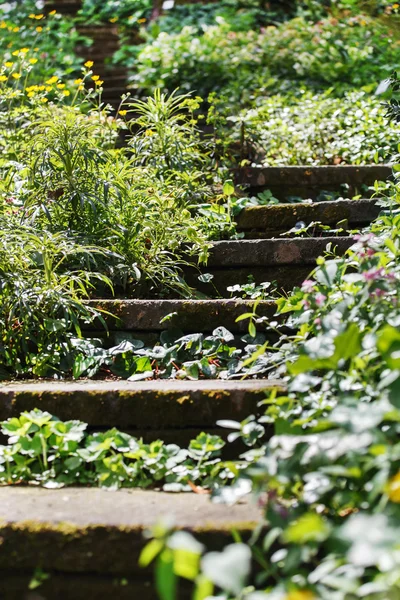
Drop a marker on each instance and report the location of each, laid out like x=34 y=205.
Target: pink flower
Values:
x=308 y=286
x=364 y=238
x=320 y=299
x=377 y=293
x=374 y=274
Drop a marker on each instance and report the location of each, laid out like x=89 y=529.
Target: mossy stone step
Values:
x=308 y=181
x=288 y=261
x=148 y=408
x=194 y=316
x=273 y=220
x=90 y=532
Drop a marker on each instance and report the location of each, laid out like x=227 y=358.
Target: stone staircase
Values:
x=88 y=540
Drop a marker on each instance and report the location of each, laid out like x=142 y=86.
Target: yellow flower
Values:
x=16 y=75
x=300 y=595
x=89 y=64
x=3 y=78
x=66 y=93
x=142 y=20
x=39 y=29
x=32 y=16
x=33 y=61
x=81 y=87
x=149 y=132
x=52 y=80
x=3 y=25
x=99 y=82
x=113 y=19
x=48 y=88
x=38 y=17
x=24 y=50
x=52 y=12
x=122 y=112
x=31 y=94
x=395 y=6
x=61 y=86
x=393 y=488
x=16 y=29
x=8 y=64
x=44 y=100
x=15 y=53
x=95 y=77
x=78 y=81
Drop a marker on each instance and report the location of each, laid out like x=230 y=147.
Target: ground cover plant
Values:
x=44 y=450
x=313 y=129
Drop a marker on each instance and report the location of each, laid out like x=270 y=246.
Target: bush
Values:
x=340 y=53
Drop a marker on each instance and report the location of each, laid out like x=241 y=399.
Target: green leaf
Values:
x=166 y=583
x=149 y=552
x=310 y=527
x=204 y=588
x=229 y=188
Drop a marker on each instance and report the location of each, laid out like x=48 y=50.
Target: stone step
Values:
x=148 y=409
x=309 y=181
x=273 y=220
x=288 y=261
x=14 y=585
x=89 y=534
x=190 y=316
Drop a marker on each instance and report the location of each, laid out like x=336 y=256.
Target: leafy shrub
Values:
x=41 y=303
x=310 y=129
x=241 y=15
x=340 y=52
x=130 y=214
x=128 y=12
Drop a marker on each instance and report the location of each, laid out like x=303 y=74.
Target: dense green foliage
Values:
x=313 y=129
x=54 y=453
x=77 y=214
x=329 y=476
x=341 y=52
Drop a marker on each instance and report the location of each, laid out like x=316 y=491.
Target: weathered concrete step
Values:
x=308 y=181
x=275 y=219
x=89 y=530
x=200 y=316
x=150 y=407
x=288 y=261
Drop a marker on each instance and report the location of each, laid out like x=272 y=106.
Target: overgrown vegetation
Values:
x=81 y=216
